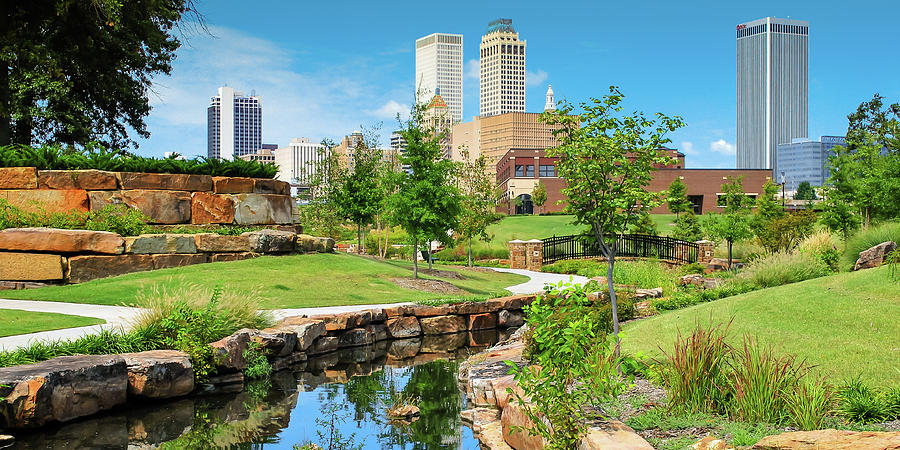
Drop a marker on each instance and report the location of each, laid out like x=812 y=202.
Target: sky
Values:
x=324 y=69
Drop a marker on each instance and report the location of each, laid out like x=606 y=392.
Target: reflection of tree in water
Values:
x=365 y=393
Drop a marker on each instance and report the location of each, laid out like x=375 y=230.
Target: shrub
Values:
x=643 y=274
x=692 y=268
x=759 y=381
x=824 y=246
x=809 y=404
x=694 y=374
x=867 y=238
x=783 y=233
x=859 y=403
x=690 y=295
x=687 y=228
x=783 y=268
x=257 y=364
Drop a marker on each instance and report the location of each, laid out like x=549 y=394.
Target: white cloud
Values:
x=300 y=96
x=390 y=110
x=473 y=70
x=723 y=147
x=535 y=78
x=687 y=147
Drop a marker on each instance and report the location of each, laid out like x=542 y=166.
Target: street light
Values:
x=782 y=190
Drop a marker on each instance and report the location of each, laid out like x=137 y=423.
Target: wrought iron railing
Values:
x=558 y=248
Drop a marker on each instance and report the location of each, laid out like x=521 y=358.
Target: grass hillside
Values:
x=295 y=281
x=846 y=324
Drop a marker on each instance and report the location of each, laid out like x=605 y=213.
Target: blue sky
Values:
x=324 y=69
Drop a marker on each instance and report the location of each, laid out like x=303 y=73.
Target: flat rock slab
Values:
x=310 y=244
x=18 y=178
x=211 y=208
x=165 y=181
x=61 y=389
x=16 y=266
x=613 y=435
x=159 y=374
x=90 y=267
x=215 y=243
x=232 y=185
x=442 y=325
x=51 y=201
x=262 y=209
x=161 y=243
x=404 y=327
x=162 y=207
x=270 y=241
x=90 y=180
x=270 y=186
x=831 y=439
x=61 y=241
x=166 y=261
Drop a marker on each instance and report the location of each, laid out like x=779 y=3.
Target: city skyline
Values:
x=327 y=84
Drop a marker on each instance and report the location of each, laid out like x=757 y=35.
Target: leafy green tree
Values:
x=767 y=209
x=784 y=233
x=361 y=192
x=733 y=224
x=77 y=71
x=866 y=172
x=479 y=200
x=427 y=201
x=539 y=196
x=838 y=215
x=645 y=225
x=805 y=191
x=687 y=228
x=676 y=197
x=321 y=205
x=607 y=158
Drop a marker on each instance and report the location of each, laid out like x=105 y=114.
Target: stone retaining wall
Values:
x=164 y=198
x=50 y=255
x=69 y=387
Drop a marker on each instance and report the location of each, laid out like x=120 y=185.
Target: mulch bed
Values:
x=435 y=286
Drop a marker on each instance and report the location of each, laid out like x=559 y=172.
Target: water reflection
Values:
x=349 y=388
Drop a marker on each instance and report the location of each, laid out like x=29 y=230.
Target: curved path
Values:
x=122 y=317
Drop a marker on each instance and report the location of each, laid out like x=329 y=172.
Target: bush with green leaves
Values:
x=785 y=232
x=258 y=366
x=574 y=366
x=688 y=228
x=784 y=268
x=862 y=404
x=692 y=295
x=96 y=156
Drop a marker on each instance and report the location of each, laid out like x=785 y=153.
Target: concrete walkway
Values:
x=539 y=279
x=122 y=317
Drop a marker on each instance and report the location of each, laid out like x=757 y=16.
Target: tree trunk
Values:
x=611 y=260
x=429 y=255
x=730 y=243
x=358 y=239
x=378 y=237
x=470 y=252
x=415 y=256
x=5 y=113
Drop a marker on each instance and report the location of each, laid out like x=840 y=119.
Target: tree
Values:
x=539 y=196
x=767 y=209
x=361 y=194
x=866 y=171
x=607 y=158
x=677 y=197
x=426 y=202
x=644 y=225
x=478 y=200
x=732 y=225
x=321 y=206
x=838 y=215
x=81 y=70
x=805 y=191
x=687 y=228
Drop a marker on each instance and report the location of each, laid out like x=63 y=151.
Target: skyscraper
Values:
x=233 y=124
x=502 y=69
x=772 y=88
x=299 y=161
x=439 y=68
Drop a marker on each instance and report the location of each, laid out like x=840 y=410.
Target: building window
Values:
x=547 y=170
x=520 y=170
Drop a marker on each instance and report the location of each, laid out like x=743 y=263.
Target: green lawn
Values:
x=846 y=324
x=15 y=321
x=295 y=281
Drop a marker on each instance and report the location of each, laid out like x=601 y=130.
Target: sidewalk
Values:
x=539 y=279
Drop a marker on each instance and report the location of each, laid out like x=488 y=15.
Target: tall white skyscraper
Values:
x=772 y=88
x=233 y=124
x=299 y=161
x=439 y=69
x=502 y=69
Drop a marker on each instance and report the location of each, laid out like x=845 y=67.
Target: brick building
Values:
x=519 y=170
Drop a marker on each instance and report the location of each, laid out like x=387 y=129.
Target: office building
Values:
x=772 y=88
x=299 y=161
x=439 y=70
x=234 y=124
x=264 y=155
x=493 y=136
x=438 y=119
x=502 y=61
x=805 y=160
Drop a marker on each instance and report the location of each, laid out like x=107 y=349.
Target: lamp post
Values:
x=782 y=190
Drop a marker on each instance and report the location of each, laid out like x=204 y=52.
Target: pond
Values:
x=343 y=394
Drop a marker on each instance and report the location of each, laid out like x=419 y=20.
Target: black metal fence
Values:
x=557 y=248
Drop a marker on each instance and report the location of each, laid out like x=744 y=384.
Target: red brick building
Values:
x=519 y=170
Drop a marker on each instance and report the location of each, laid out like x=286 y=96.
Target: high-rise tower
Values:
x=502 y=69
x=233 y=124
x=772 y=88
x=439 y=68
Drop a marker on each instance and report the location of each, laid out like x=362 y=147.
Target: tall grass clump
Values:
x=866 y=239
x=234 y=310
x=860 y=403
x=694 y=373
x=809 y=404
x=782 y=268
x=825 y=246
x=760 y=380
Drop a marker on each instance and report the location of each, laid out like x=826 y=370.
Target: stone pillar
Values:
x=706 y=251
x=534 y=255
x=517 y=255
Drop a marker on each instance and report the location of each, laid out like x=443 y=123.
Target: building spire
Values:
x=551 y=104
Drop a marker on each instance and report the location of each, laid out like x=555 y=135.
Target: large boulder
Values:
x=262 y=209
x=831 y=439
x=90 y=180
x=162 y=207
x=307 y=330
x=270 y=186
x=61 y=389
x=613 y=435
x=159 y=374
x=216 y=243
x=18 y=178
x=311 y=244
x=51 y=201
x=404 y=327
x=232 y=185
x=165 y=181
x=514 y=416
x=90 y=267
x=61 y=241
x=270 y=241
x=229 y=351
x=874 y=256
x=211 y=208
x=486 y=321
x=16 y=266
x=510 y=318
x=161 y=243
x=356 y=337
x=442 y=325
